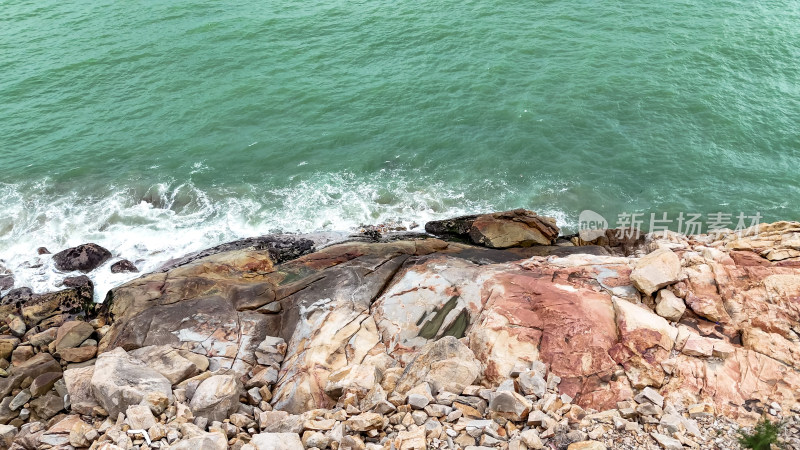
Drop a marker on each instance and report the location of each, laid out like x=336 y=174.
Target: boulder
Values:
x=446 y=364
x=669 y=306
x=78 y=354
x=47 y=406
x=37 y=365
x=656 y=270
x=366 y=422
x=277 y=441
x=79 y=387
x=174 y=364
x=84 y=258
x=139 y=417
x=532 y=383
x=204 y=441
x=119 y=380
x=123 y=266
x=44 y=383
x=216 y=398
x=357 y=379
x=510 y=405
x=72 y=334
x=587 y=445
x=411 y=440
x=516 y=228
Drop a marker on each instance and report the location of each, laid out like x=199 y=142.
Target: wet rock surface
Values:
x=123 y=266
x=417 y=343
x=84 y=258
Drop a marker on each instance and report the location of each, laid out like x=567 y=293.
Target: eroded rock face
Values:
x=357 y=320
x=50 y=309
x=84 y=258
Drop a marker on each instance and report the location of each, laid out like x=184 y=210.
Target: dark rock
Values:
x=78 y=282
x=280 y=248
x=85 y=258
x=6 y=413
x=17 y=296
x=6 y=279
x=43 y=251
x=123 y=266
x=516 y=228
x=44 y=383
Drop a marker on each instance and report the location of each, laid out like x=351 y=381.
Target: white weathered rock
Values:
x=366 y=421
x=271 y=351
x=532 y=383
x=510 y=405
x=204 y=441
x=139 y=417
x=667 y=442
x=356 y=378
x=531 y=439
x=651 y=395
x=277 y=441
x=446 y=364
x=669 y=306
x=656 y=270
x=120 y=380
x=411 y=440
x=587 y=445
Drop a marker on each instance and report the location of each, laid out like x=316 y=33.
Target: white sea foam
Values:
x=151 y=225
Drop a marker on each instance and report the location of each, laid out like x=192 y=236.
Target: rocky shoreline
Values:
x=490 y=331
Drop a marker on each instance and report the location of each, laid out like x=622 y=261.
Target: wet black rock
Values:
x=123 y=266
x=6 y=279
x=85 y=258
x=281 y=248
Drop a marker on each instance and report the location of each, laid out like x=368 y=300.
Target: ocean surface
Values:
x=158 y=128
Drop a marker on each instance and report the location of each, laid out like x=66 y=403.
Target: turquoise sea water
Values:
x=155 y=128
